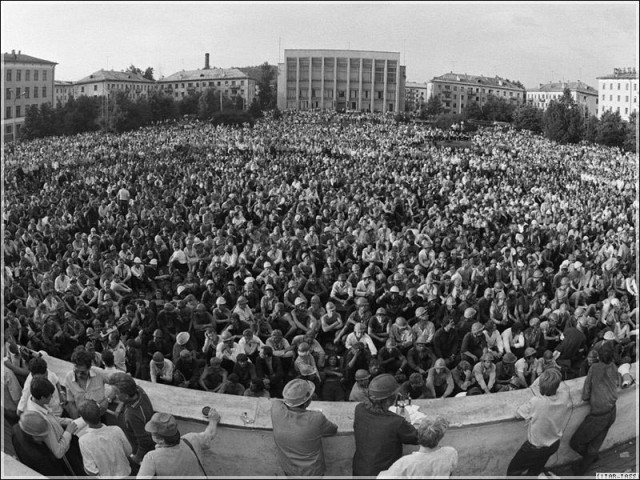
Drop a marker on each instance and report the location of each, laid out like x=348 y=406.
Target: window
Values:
x=618 y=97
x=81 y=89
x=18 y=75
x=182 y=85
x=626 y=110
x=8 y=129
x=7 y=113
x=18 y=111
x=380 y=95
x=27 y=75
x=477 y=99
x=44 y=75
x=226 y=82
x=241 y=82
x=219 y=83
x=197 y=84
x=626 y=86
x=35 y=92
x=328 y=93
x=618 y=85
x=35 y=75
x=27 y=91
x=18 y=92
x=95 y=88
x=7 y=94
x=9 y=75
x=340 y=93
x=455 y=88
x=44 y=92
x=176 y=85
x=233 y=82
x=626 y=99
x=190 y=85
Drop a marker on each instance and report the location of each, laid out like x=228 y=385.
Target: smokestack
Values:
x=206 y=61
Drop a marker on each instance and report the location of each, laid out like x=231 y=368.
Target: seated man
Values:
x=439 y=380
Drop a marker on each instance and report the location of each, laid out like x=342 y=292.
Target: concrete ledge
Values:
x=483 y=429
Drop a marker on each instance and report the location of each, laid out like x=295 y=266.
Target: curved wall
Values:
x=483 y=429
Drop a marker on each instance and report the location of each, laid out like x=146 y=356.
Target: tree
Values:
x=498 y=109
x=434 y=106
x=148 y=74
x=83 y=115
x=611 y=130
x=591 y=126
x=630 y=140
x=563 y=120
x=208 y=103
x=528 y=117
x=162 y=107
x=32 y=127
x=254 y=109
x=472 y=111
x=266 y=95
x=188 y=105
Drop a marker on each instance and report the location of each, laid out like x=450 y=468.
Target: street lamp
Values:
x=15 y=98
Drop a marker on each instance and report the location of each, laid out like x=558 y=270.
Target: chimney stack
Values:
x=206 y=61
x=13 y=52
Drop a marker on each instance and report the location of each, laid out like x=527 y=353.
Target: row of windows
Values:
x=27 y=75
x=617 y=109
x=328 y=93
x=478 y=89
x=204 y=84
x=26 y=93
x=626 y=98
x=626 y=86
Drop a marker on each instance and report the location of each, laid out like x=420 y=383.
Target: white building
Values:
x=63 y=91
x=341 y=80
x=28 y=81
x=231 y=82
x=618 y=92
x=457 y=90
x=415 y=96
x=107 y=82
x=584 y=95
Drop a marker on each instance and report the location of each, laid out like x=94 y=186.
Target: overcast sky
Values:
x=531 y=42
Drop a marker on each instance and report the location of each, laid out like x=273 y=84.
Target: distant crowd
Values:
x=233 y=260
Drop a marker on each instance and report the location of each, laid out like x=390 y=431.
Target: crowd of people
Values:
x=318 y=247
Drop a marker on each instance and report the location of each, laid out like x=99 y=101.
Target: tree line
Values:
x=120 y=112
x=563 y=121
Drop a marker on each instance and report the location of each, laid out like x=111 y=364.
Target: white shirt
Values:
x=54 y=405
x=105 y=451
x=366 y=339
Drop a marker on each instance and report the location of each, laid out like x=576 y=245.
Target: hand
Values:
x=72 y=428
x=214 y=416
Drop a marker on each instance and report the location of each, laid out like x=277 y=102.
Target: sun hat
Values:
x=476 y=328
x=163 y=424
x=34 y=423
x=383 y=386
x=297 y=392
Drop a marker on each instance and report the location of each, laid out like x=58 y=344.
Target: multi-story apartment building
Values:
x=341 y=80
x=231 y=82
x=457 y=90
x=63 y=91
x=415 y=96
x=27 y=81
x=584 y=95
x=618 y=92
x=107 y=82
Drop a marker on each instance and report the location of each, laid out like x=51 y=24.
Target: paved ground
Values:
x=620 y=459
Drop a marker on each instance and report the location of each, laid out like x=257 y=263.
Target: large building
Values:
x=63 y=91
x=415 y=96
x=457 y=90
x=231 y=82
x=341 y=80
x=107 y=82
x=27 y=81
x=618 y=92
x=584 y=95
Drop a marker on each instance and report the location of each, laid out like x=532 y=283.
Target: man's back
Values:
x=105 y=451
x=298 y=436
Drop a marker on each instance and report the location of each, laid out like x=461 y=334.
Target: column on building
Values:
x=309 y=91
x=297 y=83
x=335 y=80
x=373 y=83
x=322 y=83
x=385 y=83
x=360 y=84
x=398 y=88
x=348 y=92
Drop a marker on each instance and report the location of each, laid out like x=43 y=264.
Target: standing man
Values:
x=298 y=432
x=380 y=433
x=546 y=416
x=601 y=391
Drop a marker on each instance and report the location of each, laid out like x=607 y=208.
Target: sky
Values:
x=530 y=42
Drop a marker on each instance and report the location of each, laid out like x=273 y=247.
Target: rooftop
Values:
x=416 y=85
x=477 y=80
x=621 y=73
x=560 y=86
x=19 y=57
x=113 y=76
x=208 y=74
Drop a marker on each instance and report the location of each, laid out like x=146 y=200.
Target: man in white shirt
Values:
x=359 y=334
x=161 y=369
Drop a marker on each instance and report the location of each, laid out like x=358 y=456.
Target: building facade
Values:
x=585 y=96
x=341 y=80
x=457 y=90
x=231 y=82
x=63 y=92
x=415 y=96
x=107 y=82
x=618 y=92
x=27 y=81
